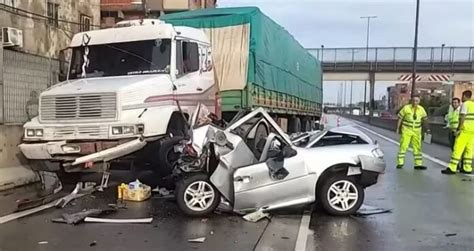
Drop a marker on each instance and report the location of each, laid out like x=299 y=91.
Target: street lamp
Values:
x=368 y=35
x=367 y=56
x=442 y=52
x=415 y=49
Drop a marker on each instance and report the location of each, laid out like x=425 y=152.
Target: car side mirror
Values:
x=288 y=151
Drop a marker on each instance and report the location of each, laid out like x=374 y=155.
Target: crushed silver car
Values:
x=253 y=165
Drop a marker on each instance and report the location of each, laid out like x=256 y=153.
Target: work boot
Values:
x=420 y=167
x=399 y=166
x=465 y=172
x=447 y=171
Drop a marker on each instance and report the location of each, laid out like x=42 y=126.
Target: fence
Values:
x=24 y=77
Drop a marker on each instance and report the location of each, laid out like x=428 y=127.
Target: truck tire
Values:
x=44 y=165
x=196 y=196
x=166 y=155
x=295 y=125
x=307 y=125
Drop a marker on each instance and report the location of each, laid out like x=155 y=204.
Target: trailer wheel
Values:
x=295 y=125
x=307 y=125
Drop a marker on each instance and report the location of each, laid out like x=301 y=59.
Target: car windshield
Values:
x=119 y=59
x=303 y=141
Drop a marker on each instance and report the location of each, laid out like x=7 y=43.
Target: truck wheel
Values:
x=166 y=155
x=44 y=165
x=307 y=125
x=341 y=195
x=295 y=125
x=196 y=196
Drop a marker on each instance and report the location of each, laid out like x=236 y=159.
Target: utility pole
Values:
x=415 y=49
x=367 y=56
x=350 y=104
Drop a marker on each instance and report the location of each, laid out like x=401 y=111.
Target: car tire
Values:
x=341 y=195
x=201 y=184
x=166 y=155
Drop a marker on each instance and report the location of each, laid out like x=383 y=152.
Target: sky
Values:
x=337 y=23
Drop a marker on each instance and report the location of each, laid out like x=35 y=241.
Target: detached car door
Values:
x=272 y=183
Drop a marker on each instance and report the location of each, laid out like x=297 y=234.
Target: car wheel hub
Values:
x=342 y=195
x=199 y=196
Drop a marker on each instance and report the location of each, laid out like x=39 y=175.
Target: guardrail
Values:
x=440 y=134
x=394 y=54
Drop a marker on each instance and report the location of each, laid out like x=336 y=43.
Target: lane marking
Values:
x=429 y=157
x=303 y=232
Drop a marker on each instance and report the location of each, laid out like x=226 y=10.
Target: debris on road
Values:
x=42 y=242
x=366 y=210
x=51 y=186
x=204 y=220
x=119 y=221
x=134 y=191
x=80 y=216
x=21 y=214
x=93 y=244
x=118 y=205
x=256 y=216
x=81 y=189
x=450 y=235
x=197 y=240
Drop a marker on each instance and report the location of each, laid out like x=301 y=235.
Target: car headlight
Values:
x=377 y=153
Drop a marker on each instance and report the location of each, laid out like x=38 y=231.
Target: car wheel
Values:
x=341 y=195
x=196 y=196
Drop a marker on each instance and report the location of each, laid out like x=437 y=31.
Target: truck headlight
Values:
x=30 y=132
x=117 y=130
x=128 y=130
x=34 y=132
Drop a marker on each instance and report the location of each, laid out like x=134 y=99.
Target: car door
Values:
x=256 y=187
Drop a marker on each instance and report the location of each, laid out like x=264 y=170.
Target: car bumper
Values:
x=371 y=169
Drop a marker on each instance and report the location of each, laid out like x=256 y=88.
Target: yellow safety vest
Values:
x=468 y=125
x=453 y=119
x=411 y=118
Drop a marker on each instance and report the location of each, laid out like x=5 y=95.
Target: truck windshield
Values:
x=119 y=59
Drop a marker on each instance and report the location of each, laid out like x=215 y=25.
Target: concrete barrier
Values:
x=440 y=134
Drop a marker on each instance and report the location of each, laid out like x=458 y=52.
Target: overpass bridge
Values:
x=395 y=63
x=434 y=64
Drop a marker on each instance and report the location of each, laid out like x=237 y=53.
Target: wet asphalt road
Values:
x=430 y=212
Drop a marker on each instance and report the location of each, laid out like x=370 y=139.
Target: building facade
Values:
x=113 y=11
x=48 y=25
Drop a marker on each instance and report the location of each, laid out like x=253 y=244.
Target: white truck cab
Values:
x=121 y=94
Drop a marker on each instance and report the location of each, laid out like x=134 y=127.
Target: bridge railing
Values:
x=394 y=54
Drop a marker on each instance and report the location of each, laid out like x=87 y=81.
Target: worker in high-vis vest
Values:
x=464 y=137
x=411 y=119
x=452 y=120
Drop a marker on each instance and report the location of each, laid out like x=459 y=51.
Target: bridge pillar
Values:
x=371 y=93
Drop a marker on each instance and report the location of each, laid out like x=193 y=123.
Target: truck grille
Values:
x=75 y=132
x=79 y=107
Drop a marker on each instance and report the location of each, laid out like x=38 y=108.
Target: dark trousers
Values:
x=452 y=139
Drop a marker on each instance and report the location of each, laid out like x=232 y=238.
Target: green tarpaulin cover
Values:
x=276 y=60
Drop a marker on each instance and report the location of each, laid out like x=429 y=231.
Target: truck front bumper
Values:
x=61 y=150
